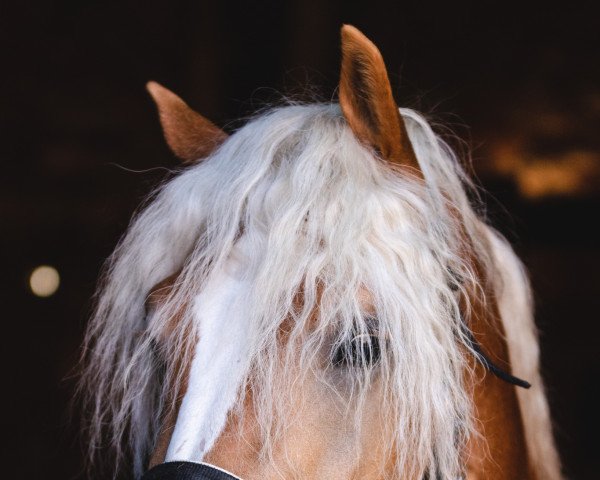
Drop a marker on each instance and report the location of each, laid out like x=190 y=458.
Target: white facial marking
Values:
x=218 y=368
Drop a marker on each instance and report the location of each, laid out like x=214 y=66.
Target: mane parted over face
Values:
x=312 y=323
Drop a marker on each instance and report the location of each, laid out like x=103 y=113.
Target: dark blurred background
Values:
x=81 y=146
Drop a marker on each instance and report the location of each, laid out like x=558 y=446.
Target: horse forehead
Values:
x=365 y=300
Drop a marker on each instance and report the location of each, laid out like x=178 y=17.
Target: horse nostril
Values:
x=360 y=351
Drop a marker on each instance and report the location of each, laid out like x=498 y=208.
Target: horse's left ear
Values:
x=367 y=102
x=189 y=135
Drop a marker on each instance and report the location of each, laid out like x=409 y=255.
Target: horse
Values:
x=316 y=295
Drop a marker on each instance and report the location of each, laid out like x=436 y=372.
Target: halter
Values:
x=188 y=471
x=491 y=366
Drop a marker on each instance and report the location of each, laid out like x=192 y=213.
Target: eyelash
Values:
x=364 y=350
x=360 y=351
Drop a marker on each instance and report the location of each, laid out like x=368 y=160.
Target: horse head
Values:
x=315 y=296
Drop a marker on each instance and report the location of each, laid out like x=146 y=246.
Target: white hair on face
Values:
x=321 y=215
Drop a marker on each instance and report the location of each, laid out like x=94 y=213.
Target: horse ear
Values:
x=367 y=102
x=189 y=135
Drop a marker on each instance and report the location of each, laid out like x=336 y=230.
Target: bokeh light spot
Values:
x=44 y=281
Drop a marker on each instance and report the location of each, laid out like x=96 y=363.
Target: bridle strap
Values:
x=187 y=471
x=491 y=366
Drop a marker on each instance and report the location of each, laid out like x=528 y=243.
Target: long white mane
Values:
x=322 y=216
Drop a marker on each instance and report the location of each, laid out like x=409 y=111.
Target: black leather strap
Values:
x=491 y=366
x=186 y=471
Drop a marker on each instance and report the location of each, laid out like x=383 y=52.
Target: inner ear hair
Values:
x=367 y=102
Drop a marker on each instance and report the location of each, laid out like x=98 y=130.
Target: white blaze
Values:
x=218 y=368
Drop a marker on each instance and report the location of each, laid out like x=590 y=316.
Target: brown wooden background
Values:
x=519 y=81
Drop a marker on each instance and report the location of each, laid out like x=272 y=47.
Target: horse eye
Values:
x=361 y=351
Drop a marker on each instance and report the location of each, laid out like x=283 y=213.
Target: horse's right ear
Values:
x=189 y=135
